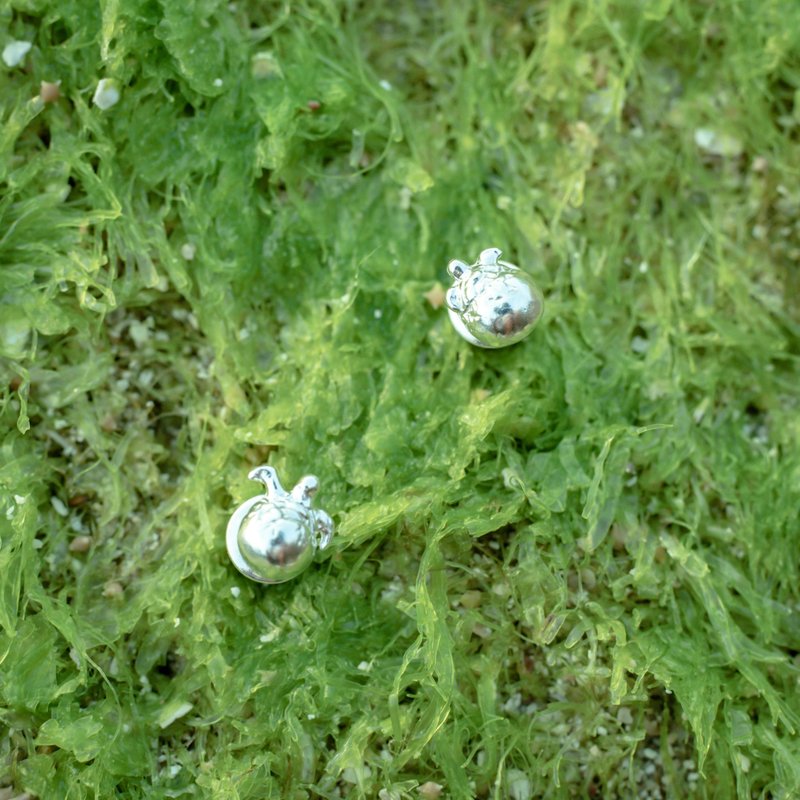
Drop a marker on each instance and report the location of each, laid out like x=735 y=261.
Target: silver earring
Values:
x=272 y=538
x=492 y=303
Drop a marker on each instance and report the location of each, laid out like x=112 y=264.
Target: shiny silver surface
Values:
x=272 y=538
x=492 y=303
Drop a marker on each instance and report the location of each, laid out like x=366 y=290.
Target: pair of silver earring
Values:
x=273 y=537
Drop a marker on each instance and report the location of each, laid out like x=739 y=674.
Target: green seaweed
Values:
x=565 y=569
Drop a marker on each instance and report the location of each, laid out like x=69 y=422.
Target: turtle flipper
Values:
x=323 y=527
x=453 y=300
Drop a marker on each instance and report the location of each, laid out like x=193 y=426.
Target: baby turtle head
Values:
x=488 y=258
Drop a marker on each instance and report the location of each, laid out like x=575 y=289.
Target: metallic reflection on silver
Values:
x=272 y=538
x=492 y=303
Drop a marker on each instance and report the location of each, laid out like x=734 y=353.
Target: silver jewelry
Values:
x=492 y=303
x=272 y=538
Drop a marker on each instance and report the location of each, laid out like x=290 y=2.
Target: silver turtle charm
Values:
x=272 y=538
x=492 y=303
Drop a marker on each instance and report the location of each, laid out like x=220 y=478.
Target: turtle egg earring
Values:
x=272 y=538
x=492 y=303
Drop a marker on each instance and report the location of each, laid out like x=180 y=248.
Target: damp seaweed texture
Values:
x=566 y=569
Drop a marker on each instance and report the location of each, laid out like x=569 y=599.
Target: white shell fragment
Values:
x=15 y=52
x=106 y=94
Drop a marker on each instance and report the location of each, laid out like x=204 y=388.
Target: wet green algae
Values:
x=568 y=569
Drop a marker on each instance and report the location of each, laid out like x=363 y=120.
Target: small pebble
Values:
x=624 y=716
x=58 y=506
x=717 y=143
x=264 y=65
x=744 y=762
x=350 y=775
x=146 y=378
x=188 y=251
x=519 y=785
x=235 y=591
x=470 y=599
x=430 y=790
x=80 y=544
x=513 y=704
x=113 y=589
x=313 y=105
x=218 y=82
x=50 y=92
x=482 y=631
x=140 y=332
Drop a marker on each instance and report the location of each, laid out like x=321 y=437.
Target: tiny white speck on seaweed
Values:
x=235 y=591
